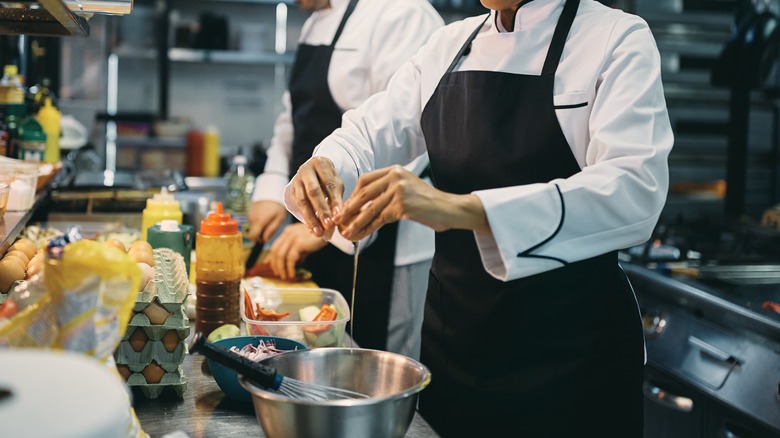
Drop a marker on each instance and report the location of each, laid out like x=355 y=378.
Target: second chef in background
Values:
x=347 y=52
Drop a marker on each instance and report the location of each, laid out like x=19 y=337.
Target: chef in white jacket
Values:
x=548 y=137
x=348 y=50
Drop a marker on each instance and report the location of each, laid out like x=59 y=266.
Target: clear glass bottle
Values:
x=240 y=182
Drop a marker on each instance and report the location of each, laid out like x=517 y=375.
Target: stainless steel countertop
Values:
x=204 y=411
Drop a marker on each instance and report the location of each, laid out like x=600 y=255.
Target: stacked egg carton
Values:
x=149 y=356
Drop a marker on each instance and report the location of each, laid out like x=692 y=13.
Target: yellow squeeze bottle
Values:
x=211 y=152
x=50 y=119
x=162 y=206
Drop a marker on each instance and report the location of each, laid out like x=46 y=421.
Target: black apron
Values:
x=315 y=116
x=558 y=354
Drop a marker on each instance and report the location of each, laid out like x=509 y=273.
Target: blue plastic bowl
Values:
x=227 y=378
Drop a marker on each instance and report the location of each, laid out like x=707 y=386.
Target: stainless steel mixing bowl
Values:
x=392 y=382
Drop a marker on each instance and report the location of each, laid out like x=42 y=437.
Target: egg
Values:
x=34 y=268
x=138 y=339
x=156 y=313
x=116 y=243
x=170 y=340
x=141 y=256
x=124 y=371
x=25 y=245
x=153 y=373
x=18 y=254
x=147 y=275
x=140 y=244
x=10 y=272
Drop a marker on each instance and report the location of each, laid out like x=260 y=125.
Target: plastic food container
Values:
x=23 y=184
x=311 y=334
x=5 y=189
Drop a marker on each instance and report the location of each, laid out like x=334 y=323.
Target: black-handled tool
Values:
x=257 y=249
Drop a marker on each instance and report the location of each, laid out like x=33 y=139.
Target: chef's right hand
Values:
x=316 y=189
x=265 y=218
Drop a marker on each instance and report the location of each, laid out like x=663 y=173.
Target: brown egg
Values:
x=141 y=256
x=34 y=268
x=18 y=254
x=116 y=243
x=138 y=339
x=124 y=371
x=170 y=340
x=10 y=272
x=140 y=244
x=153 y=373
x=156 y=313
x=25 y=245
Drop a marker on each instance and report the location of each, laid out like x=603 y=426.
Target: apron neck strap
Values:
x=559 y=37
x=466 y=45
x=347 y=13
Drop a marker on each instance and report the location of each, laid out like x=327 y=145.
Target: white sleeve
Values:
x=615 y=201
x=383 y=131
x=269 y=185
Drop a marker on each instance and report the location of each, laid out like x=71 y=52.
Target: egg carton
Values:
x=151 y=351
x=173 y=381
x=176 y=320
x=170 y=284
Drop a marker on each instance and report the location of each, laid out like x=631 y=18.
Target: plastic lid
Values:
x=239 y=159
x=218 y=222
x=168 y=225
x=11 y=70
x=31 y=130
x=162 y=199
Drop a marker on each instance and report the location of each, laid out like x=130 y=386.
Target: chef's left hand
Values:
x=291 y=247
x=393 y=193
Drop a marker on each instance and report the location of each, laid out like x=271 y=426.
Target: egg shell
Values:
x=116 y=243
x=34 y=268
x=25 y=245
x=140 y=244
x=138 y=339
x=10 y=272
x=156 y=313
x=147 y=275
x=18 y=254
x=124 y=371
x=142 y=256
x=153 y=373
x=171 y=340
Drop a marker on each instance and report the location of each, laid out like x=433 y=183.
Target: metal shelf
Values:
x=13 y=222
x=229 y=56
x=41 y=17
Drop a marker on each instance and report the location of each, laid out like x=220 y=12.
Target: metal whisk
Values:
x=267 y=377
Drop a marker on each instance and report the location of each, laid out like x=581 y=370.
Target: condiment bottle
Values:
x=170 y=234
x=219 y=269
x=159 y=207
x=31 y=145
x=51 y=119
x=211 y=152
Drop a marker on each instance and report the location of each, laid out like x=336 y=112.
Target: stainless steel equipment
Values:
x=713 y=346
x=392 y=381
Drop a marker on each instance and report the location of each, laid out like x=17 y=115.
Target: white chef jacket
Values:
x=379 y=37
x=621 y=138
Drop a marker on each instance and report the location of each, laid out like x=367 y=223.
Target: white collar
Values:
x=530 y=14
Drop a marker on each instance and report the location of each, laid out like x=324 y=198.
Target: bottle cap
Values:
x=168 y=225
x=162 y=199
x=219 y=222
x=48 y=113
x=11 y=70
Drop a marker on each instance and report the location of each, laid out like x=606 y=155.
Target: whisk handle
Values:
x=264 y=376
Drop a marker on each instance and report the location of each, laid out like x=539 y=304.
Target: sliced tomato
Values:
x=327 y=313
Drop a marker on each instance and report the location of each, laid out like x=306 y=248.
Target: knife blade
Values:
x=253 y=255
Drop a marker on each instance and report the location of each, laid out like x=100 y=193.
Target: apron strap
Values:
x=466 y=45
x=559 y=37
x=347 y=13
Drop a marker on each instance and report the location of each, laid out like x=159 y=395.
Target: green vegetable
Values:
x=224 y=331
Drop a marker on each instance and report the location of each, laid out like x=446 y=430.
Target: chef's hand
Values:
x=291 y=247
x=265 y=218
x=316 y=189
x=393 y=193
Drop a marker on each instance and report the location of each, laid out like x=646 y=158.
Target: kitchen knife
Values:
x=252 y=259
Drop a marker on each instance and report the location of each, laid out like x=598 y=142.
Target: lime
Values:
x=224 y=331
